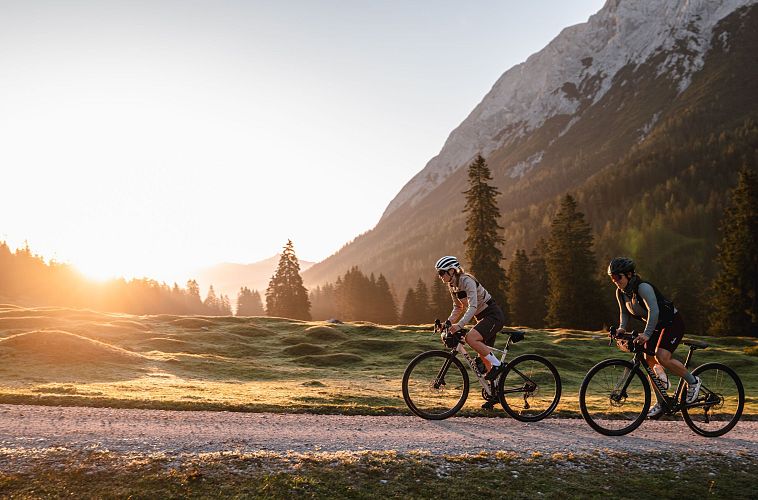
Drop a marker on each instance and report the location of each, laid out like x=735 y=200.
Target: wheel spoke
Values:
x=434 y=385
x=530 y=388
x=613 y=399
x=720 y=402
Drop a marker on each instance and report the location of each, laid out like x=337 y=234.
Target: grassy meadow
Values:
x=77 y=357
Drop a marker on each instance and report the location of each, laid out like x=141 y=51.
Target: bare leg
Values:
x=665 y=358
x=475 y=340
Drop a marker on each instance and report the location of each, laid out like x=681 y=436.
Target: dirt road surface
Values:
x=177 y=432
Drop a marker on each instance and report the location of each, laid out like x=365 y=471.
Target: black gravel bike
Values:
x=615 y=395
x=436 y=383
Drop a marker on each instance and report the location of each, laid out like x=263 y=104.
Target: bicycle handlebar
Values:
x=628 y=336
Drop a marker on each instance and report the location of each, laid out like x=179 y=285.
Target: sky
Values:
x=153 y=138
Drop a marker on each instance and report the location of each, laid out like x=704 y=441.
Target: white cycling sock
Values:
x=493 y=360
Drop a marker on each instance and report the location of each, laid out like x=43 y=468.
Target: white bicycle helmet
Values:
x=446 y=263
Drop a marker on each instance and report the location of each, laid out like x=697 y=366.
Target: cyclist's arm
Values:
x=468 y=286
x=623 y=313
x=458 y=309
x=647 y=294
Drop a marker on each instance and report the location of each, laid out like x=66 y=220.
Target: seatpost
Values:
x=689 y=356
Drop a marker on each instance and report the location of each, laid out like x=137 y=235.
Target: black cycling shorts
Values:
x=666 y=338
x=489 y=322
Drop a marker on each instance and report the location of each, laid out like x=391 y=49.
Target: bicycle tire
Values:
x=722 y=385
x=422 y=391
x=601 y=406
x=529 y=376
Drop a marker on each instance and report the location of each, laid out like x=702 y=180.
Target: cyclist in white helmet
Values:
x=472 y=300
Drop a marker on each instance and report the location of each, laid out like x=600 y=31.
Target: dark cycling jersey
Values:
x=642 y=305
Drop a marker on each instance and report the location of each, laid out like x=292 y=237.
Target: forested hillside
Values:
x=649 y=166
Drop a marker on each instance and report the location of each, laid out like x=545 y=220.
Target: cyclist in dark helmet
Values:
x=664 y=326
x=472 y=300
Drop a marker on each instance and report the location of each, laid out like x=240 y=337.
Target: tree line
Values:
x=559 y=283
x=27 y=279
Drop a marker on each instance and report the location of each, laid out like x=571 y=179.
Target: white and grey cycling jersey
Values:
x=469 y=299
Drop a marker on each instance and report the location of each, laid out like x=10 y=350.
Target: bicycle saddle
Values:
x=695 y=344
x=517 y=336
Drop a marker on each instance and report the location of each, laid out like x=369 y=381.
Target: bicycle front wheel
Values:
x=435 y=385
x=614 y=397
x=530 y=388
x=719 y=405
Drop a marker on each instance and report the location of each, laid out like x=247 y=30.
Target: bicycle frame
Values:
x=671 y=404
x=486 y=385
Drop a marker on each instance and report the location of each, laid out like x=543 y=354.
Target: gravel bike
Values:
x=436 y=383
x=615 y=396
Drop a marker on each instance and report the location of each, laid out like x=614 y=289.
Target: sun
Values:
x=98 y=270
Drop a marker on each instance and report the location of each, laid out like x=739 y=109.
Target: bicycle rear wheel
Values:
x=435 y=385
x=720 y=403
x=606 y=405
x=530 y=388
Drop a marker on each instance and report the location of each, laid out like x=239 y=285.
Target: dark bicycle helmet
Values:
x=621 y=265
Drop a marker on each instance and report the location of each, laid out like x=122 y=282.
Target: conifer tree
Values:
x=424 y=310
x=571 y=266
x=225 y=306
x=521 y=291
x=483 y=232
x=441 y=301
x=286 y=296
x=194 y=303
x=324 y=302
x=735 y=289
x=387 y=310
x=408 y=315
x=249 y=302
x=540 y=290
x=211 y=302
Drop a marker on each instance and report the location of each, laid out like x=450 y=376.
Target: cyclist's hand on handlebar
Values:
x=640 y=339
x=454 y=328
x=620 y=331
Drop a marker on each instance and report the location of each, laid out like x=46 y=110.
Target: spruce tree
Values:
x=387 y=310
x=424 y=310
x=211 y=302
x=521 y=290
x=286 y=296
x=441 y=301
x=573 y=296
x=735 y=289
x=410 y=306
x=540 y=290
x=483 y=232
x=249 y=303
x=324 y=302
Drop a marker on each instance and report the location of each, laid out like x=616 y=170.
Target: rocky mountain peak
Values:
x=572 y=72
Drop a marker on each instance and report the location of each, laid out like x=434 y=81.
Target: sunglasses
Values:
x=442 y=273
x=616 y=277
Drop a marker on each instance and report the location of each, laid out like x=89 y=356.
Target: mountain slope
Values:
x=615 y=111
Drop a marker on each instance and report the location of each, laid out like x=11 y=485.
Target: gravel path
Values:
x=148 y=431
